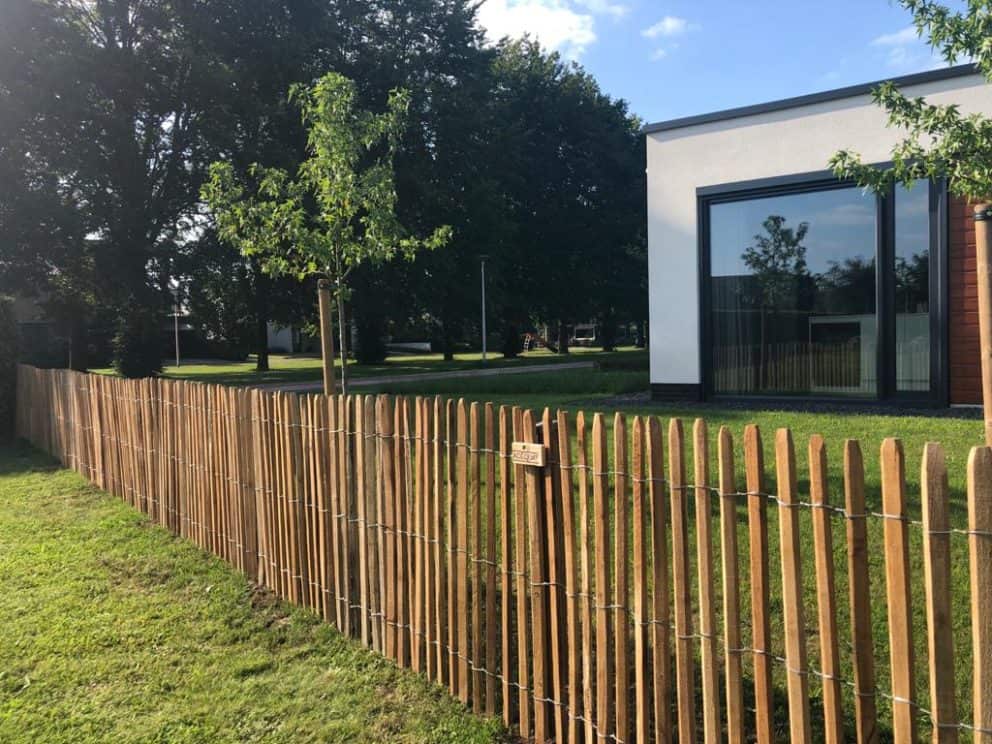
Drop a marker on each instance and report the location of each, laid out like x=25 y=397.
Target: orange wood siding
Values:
x=965 y=374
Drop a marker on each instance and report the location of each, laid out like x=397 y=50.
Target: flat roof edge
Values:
x=850 y=91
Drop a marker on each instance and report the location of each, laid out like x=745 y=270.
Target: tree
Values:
x=339 y=211
x=941 y=142
x=568 y=160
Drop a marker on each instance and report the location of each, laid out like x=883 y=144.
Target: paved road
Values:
x=316 y=386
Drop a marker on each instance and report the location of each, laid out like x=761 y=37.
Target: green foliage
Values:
x=138 y=344
x=9 y=338
x=339 y=211
x=940 y=141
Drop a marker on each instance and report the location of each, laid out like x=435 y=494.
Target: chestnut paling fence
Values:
x=638 y=587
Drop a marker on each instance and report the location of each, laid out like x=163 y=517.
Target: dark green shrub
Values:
x=138 y=344
x=8 y=368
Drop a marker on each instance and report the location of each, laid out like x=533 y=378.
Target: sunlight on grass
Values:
x=115 y=630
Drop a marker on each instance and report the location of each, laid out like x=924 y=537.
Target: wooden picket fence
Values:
x=603 y=596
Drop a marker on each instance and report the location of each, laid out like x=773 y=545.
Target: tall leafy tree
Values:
x=339 y=211
x=571 y=170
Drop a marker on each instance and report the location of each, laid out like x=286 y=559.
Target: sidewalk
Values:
x=316 y=386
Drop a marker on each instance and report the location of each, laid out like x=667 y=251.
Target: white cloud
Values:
x=666 y=27
x=658 y=54
x=604 y=7
x=556 y=24
x=902 y=37
x=905 y=51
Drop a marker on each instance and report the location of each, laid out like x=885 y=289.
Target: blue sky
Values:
x=678 y=58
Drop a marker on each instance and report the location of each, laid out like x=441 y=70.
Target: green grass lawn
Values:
x=113 y=630
x=300 y=368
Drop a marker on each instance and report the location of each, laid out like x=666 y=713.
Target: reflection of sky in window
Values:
x=912 y=221
x=841 y=226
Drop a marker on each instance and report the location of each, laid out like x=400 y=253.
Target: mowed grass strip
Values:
x=114 y=630
x=286 y=368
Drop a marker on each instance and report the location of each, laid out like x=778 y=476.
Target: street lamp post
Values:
x=175 y=323
x=483 y=257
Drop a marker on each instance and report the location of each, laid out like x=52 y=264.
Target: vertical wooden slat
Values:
x=792 y=588
x=451 y=447
x=731 y=587
x=937 y=580
x=343 y=516
x=704 y=569
x=642 y=683
x=826 y=599
x=898 y=592
x=427 y=524
x=684 y=657
x=401 y=433
x=538 y=581
x=573 y=683
x=620 y=575
x=553 y=548
x=388 y=504
x=490 y=608
x=582 y=473
x=417 y=630
x=660 y=610
x=477 y=548
x=865 y=711
x=604 y=633
x=761 y=634
x=461 y=558
x=440 y=557
x=980 y=561
x=508 y=565
x=520 y=511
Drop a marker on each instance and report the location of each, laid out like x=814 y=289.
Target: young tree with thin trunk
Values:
x=941 y=142
x=337 y=213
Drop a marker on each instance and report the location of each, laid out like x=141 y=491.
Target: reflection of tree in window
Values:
x=848 y=284
x=913 y=283
x=777 y=260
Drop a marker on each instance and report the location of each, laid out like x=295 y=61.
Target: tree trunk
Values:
x=261 y=323
x=326 y=334
x=562 y=337
x=983 y=266
x=343 y=337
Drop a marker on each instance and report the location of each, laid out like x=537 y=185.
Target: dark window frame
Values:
x=939 y=393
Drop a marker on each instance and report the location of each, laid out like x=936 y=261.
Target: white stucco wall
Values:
x=777 y=143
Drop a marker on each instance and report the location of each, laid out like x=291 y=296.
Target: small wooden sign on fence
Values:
x=527 y=453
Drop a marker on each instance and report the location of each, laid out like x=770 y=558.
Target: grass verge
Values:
x=114 y=630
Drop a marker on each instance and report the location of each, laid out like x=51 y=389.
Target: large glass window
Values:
x=912 y=287
x=793 y=293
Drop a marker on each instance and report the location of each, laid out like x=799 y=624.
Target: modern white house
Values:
x=770 y=277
